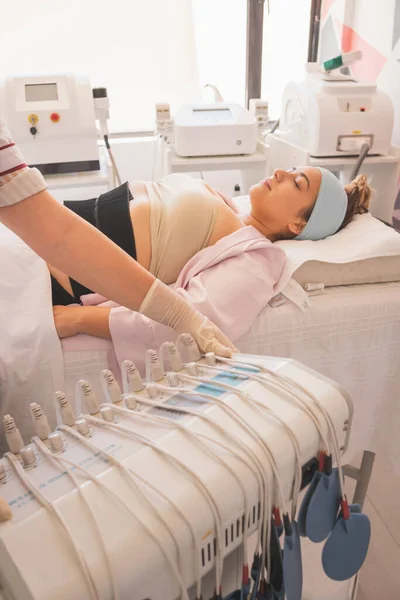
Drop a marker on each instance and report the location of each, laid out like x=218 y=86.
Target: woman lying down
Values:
x=188 y=234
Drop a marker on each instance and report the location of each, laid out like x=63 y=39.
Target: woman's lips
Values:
x=267 y=183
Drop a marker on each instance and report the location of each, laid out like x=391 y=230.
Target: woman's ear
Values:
x=296 y=227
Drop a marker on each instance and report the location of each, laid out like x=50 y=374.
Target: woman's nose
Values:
x=280 y=174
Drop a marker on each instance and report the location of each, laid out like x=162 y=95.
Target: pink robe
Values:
x=230 y=283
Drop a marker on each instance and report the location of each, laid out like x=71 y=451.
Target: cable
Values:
x=104 y=488
x=217 y=94
x=238 y=419
x=185 y=468
x=280 y=386
x=363 y=153
x=49 y=506
x=274 y=126
x=154 y=404
x=298 y=470
x=261 y=408
x=112 y=159
x=194 y=412
x=115 y=462
x=196 y=434
x=56 y=459
x=331 y=428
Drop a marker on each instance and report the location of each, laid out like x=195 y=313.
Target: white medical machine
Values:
x=214 y=130
x=53 y=121
x=334 y=121
x=334 y=115
x=141 y=498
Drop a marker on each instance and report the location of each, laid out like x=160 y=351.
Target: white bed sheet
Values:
x=352 y=335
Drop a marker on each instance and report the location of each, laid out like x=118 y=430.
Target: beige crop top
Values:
x=183 y=211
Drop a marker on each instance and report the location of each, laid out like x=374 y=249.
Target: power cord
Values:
x=363 y=154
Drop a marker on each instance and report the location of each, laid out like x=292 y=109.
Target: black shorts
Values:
x=110 y=214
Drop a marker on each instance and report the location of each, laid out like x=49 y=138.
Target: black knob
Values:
x=33 y=130
x=99 y=92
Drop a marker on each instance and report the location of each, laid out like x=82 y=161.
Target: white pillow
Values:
x=366 y=251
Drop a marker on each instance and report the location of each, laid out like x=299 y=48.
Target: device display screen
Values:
x=212 y=115
x=41 y=92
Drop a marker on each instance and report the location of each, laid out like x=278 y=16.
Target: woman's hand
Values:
x=74 y=319
x=67 y=319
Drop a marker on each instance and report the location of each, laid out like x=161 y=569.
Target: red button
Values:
x=55 y=117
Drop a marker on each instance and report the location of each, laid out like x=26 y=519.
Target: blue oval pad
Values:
x=347 y=546
x=323 y=507
x=301 y=518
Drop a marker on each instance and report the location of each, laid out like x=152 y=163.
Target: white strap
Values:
x=294 y=292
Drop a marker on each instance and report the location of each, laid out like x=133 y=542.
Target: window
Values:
x=143 y=51
x=285 y=48
x=220 y=33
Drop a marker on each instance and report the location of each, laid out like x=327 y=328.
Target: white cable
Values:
x=261 y=407
x=238 y=418
x=265 y=517
x=196 y=435
x=49 y=506
x=257 y=471
x=287 y=380
x=217 y=94
x=114 y=165
x=246 y=398
x=115 y=462
x=55 y=458
x=199 y=484
x=278 y=385
x=205 y=492
x=107 y=490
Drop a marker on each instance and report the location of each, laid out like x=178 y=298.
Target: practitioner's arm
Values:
x=75 y=247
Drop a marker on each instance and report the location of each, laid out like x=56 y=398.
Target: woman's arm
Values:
x=91 y=320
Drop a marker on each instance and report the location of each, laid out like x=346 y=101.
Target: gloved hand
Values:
x=17 y=181
x=162 y=304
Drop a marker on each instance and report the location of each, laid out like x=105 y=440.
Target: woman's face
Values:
x=280 y=202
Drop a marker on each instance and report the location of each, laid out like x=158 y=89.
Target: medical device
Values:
x=157 y=490
x=334 y=115
x=53 y=121
x=214 y=130
x=259 y=108
x=332 y=120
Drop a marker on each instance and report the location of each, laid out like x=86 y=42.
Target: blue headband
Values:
x=329 y=209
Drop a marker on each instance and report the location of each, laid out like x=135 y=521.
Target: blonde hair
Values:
x=359 y=194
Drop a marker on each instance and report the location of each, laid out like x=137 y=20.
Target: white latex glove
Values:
x=162 y=304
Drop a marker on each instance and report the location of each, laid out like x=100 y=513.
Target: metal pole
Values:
x=255 y=21
x=313 y=38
